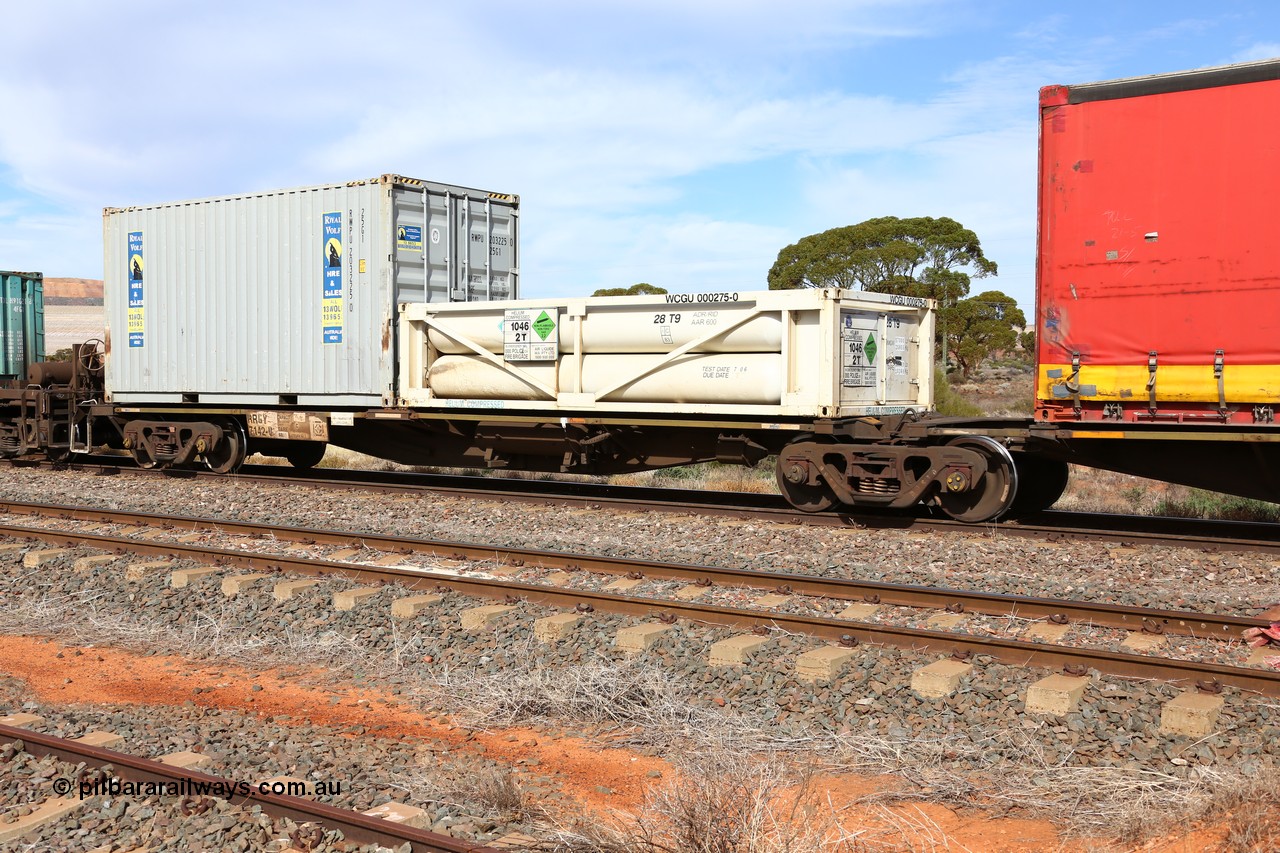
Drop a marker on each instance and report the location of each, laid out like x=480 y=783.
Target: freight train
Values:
x=383 y=316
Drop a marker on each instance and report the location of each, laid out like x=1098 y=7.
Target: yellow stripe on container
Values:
x=1175 y=383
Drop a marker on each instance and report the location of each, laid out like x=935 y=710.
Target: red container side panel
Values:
x=1158 y=233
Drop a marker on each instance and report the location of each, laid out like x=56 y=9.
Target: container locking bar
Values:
x=1151 y=381
x=1073 y=384
x=1222 y=382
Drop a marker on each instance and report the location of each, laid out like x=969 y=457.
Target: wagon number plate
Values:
x=294 y=426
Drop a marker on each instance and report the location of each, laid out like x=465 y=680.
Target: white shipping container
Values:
x=290 y=296
x=791 y=354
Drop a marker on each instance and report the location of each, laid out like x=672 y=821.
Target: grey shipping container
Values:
x=21 y=323
x=290 y=296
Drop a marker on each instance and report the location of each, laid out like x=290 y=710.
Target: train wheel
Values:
x=141 y=457
x=305 y=454
x=802 y=495
x=1040 y=483
x=994 y=494
x=230 y=455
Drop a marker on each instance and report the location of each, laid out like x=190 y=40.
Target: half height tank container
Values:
x=791 y=355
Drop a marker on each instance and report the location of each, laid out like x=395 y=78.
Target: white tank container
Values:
x=790 y=355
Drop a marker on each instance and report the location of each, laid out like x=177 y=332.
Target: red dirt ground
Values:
x=584 y=770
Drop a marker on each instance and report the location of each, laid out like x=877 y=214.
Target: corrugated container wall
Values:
x=21 y=323
x=290 y=296
x=1159 y=270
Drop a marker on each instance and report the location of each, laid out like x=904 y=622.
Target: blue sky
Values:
x=679 y=143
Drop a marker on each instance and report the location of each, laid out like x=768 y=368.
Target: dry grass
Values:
x=77 y=618
x=709 y=476
x=1094 y=490
x=723 y=802
x=492 y=791
x=1102 y=806
x=1252 y=810
x=1002 y=771
x=638 y=703
x=999 y=391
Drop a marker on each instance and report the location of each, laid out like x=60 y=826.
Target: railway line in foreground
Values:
x=182 y=777
x=1017 y=630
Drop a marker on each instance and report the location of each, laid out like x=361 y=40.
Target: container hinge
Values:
x=1073 y=383
x=1151 y=381
x=1222 y=382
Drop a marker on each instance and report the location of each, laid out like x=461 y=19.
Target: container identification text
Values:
x=686 y=298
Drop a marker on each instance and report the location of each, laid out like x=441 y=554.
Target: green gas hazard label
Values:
x=858 y=348
x=544 y=325
x=530 y=334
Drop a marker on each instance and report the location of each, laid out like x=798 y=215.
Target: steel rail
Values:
x=1018 y=653
x=1205 y=534
x=1152 y=620
x=355 y=826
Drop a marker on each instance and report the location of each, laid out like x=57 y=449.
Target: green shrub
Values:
x=948 y=402
x=1201 y=504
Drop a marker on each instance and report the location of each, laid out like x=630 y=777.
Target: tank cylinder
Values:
x=49 y=373
x=740 y=378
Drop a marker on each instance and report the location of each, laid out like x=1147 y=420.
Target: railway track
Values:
x=356 y=827
x=1206 y=534
x=486 y=572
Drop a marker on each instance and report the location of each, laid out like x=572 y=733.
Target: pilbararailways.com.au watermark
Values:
x=222 y=789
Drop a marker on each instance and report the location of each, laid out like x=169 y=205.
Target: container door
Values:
x=439 y=255
x=902 y=343
x=409 y=212
x=485 y=231
x=35 y=320
x=12 y=343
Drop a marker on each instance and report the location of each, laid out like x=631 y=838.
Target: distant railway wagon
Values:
x=21 y=325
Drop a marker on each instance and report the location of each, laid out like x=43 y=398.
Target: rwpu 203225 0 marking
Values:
x=701 y=297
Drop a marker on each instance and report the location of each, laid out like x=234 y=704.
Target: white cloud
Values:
x=1259 y=50
x=606 y=118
